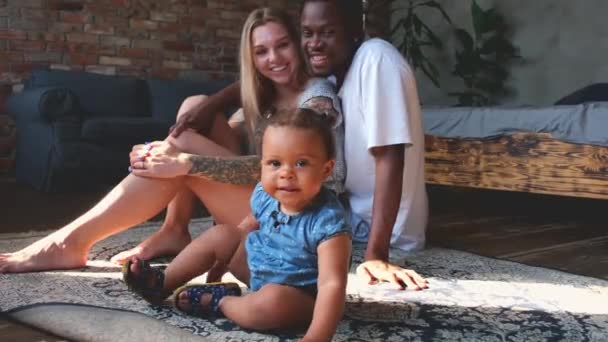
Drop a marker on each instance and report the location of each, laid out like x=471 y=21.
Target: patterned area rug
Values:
x=470 y=298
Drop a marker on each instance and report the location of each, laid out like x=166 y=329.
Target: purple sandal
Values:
x=217 y=291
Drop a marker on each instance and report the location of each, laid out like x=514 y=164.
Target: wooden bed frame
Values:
x=527 y=162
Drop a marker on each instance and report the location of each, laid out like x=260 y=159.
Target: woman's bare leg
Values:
x=173 y=235
x=69 y=246
x=133 y=201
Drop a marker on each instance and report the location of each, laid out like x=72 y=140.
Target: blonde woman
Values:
x=170 y=173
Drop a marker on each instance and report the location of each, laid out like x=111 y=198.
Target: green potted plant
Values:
x=410 y=34
x=483 y=59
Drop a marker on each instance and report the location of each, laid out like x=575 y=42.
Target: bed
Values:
x=557 y=150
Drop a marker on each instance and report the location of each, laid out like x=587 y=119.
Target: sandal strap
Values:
x=217 y=292
x=148 y=284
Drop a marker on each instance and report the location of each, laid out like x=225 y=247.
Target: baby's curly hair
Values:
x=303 y=118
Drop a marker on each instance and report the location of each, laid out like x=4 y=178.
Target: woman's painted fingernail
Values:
x=130 y=169
x=147 y=143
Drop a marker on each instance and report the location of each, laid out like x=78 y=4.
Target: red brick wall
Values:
x=194 y=39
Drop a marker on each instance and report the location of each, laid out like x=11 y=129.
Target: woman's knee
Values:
x=190 y=103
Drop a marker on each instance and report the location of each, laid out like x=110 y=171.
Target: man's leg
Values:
x=173 y=235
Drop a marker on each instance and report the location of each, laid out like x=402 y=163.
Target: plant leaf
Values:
x=417 y=25
x=396 y=27
x=431 y=72
x=490 y=45
x=478 y=19
x=432 y=36
x=436 y=5
x=465 y=39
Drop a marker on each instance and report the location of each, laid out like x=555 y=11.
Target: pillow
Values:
x=59 y=104
x=47 y=103
x=596 y=92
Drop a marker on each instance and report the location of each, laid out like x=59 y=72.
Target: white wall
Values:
x=564 y=45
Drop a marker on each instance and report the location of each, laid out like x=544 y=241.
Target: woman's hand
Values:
x=158 y=159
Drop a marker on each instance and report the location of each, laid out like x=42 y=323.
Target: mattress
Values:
x=580 y=124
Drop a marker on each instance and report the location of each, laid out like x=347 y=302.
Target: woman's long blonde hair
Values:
x=257 y=92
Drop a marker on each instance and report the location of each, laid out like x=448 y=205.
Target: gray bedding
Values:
x=582 y=124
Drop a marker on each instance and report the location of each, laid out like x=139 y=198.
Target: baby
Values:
x=293 y=251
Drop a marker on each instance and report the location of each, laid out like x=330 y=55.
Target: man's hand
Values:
x=374 y=271
x=158 y=159
x=201 y=117
x=193 y=119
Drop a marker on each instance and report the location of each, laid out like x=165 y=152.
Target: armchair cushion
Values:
x=128 y=131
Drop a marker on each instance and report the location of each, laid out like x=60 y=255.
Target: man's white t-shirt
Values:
x=381 y=107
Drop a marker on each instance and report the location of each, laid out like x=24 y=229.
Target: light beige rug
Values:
x=470 y=298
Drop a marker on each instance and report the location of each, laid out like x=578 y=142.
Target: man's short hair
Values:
x=351 y=12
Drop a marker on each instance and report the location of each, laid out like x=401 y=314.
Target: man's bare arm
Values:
x=387 y=197
x=201 y=117
x=240 y=170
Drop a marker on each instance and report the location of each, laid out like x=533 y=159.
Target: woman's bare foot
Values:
x=49 y=253
x=165 y=242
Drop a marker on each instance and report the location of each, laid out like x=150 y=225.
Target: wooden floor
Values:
x=564 y=233
x=569 y=234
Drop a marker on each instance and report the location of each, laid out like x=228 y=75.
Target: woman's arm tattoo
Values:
x=323 y=105
x=241 y=170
